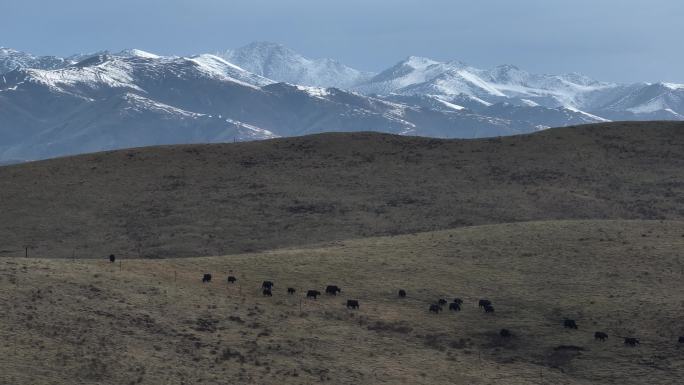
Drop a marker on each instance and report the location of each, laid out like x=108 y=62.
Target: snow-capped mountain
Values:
x=11 y=59
x=458 y=84
x=135 y=98
x=282 y=64
x=652 y=101
x=422 y=76
x=57 y=106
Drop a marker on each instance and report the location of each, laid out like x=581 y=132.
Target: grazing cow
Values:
x=332 y=290
x=402 y=293
x=434 y=308
x=267 y=285
x=267 y=292
x=312 y=294
x=631 y=341
x=231 y=279
x=206 y=278
x=489 y=309
x=455 y=306
x=570 y=324
x=290 y=290
x=505 y=333
x=484 y=302
x=112 y=258
x=458 y=301
x=352 y=303
x=600 y=336
x=681 y=340
x=442 y=302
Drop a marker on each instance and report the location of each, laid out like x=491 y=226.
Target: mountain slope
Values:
x=11 y=59
x=137 y=99
x=105 y=101
x=586 y=98
x=653 y=101
x=214 y=199
x=280 y=63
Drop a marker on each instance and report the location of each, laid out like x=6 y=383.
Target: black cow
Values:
x=442 y=302
x=352 y=303
x=290 y=290
x=489 y=309
x=312 y=294
x=505 y=333
x=600 y=336
x=206 y=278
x=267 y=292
x=402 y=293
x=455 y=306
x=631 y=341
x=231 y=279
x=484 y=302
x=112 y=258
x=267 y=285
x=458 y=301
x=570 y=324
x=434 y=308
x=681 y=340
x=332 y=290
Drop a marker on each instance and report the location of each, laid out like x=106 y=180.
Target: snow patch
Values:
x=447 y=104
x=112 y=73
x=674 y=86
x=141 y=104
x=138 y=53
x=595 y=117
x=220 y=68
x=653 y=105
x=317 y=92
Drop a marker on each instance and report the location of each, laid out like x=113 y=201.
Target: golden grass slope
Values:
x=200 y=200
x=154 y=322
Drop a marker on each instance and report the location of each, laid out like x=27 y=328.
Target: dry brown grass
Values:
x=154 y=322
x=221 y=199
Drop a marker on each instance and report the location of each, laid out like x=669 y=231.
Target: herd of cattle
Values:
x=455 y=305
x=437 y=307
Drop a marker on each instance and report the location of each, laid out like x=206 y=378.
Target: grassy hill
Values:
x=201 y=200
x=154 y=322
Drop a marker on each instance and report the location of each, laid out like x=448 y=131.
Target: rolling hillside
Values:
x=198 y=200
x=154 y=322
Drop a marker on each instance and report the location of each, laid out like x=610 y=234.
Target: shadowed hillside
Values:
x=155 y=322
x=197 y=200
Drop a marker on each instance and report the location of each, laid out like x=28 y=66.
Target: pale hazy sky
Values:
x=615 y=40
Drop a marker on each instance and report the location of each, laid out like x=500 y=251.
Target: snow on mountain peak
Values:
x=277 y=62
x=96 y=72
x=214 y=98
x=217 y=66
x=11 y=59
x=7 y=51
x=673 y=86
x=449 y=80
x=508 y=73
x=418 y=62
x=137 y=53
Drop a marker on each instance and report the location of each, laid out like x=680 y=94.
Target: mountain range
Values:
x=52 y=106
